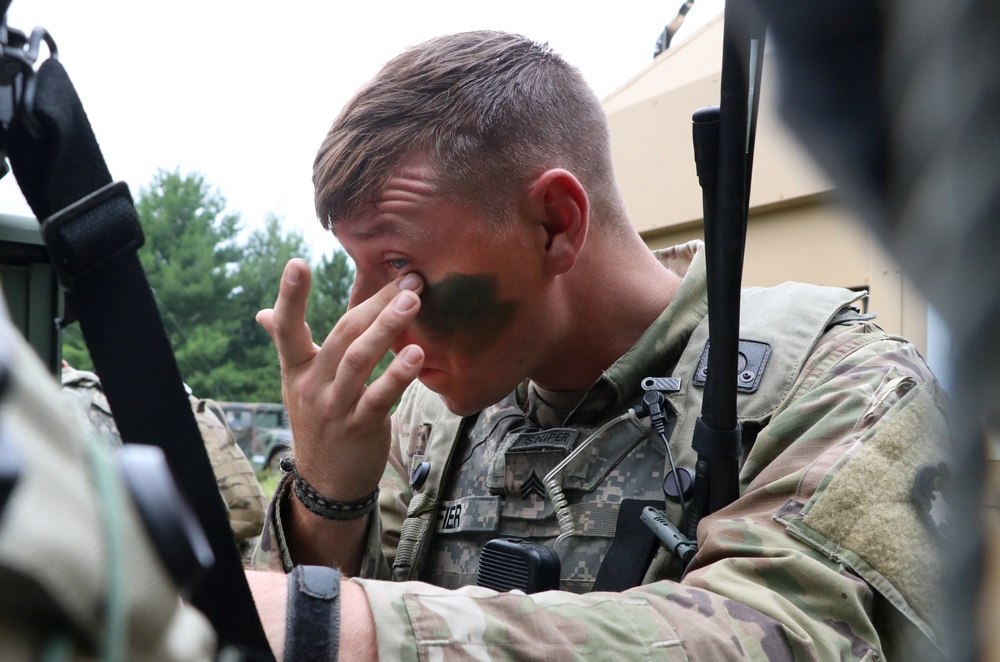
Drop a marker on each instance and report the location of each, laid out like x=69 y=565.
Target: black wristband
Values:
x=312 y=624
x=318 y=504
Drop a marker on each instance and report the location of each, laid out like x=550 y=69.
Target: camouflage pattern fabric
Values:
x=238 y=484
x=237 y=480
x=79 y=578
x=823 y=557
x=89 y=398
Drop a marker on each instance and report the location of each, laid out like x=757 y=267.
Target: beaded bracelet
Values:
x=318 y=504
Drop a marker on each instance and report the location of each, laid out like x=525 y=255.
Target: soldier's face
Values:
x=481 y=317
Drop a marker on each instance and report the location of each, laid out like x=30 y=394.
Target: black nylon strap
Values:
x=64 y=163
x=633 y=549
x=312 y=626
x=96 y=229
x=108 y=290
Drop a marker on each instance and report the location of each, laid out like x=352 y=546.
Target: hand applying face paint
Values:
x=341 y=425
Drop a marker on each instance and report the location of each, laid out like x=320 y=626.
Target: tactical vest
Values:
x=785 y=321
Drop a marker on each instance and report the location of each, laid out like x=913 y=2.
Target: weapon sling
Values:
x=92 y=232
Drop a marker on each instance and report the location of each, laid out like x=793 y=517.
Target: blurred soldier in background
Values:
x=238 y=484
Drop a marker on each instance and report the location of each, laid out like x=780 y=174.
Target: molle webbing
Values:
x=443 y=429
x=790 y=317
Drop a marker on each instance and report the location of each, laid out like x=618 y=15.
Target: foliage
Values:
x=209 y=285
x=189 y=243
x=268 y=482
x=254 y=368
x=74 y=350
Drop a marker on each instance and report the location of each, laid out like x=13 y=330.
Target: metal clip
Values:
x=18 y=60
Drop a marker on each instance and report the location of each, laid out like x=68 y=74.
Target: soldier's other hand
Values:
x=341 y=425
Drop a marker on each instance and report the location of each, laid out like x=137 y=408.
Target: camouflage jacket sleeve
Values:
x=823 y=557
x=241 y=491
x=271 y=552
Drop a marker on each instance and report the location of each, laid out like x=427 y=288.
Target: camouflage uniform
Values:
x=79 y=578
x=824 y=556
x=238 y=484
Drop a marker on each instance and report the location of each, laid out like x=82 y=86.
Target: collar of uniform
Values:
x=659 y=348
x=549 y=409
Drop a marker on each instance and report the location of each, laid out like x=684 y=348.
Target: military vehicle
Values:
x=261 y=430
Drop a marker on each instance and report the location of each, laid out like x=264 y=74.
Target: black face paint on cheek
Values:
x=464 y=310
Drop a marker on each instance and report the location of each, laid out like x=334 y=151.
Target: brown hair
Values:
x=492 y=110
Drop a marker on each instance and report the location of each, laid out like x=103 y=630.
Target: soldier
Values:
x=471 y=182
x=238 y=484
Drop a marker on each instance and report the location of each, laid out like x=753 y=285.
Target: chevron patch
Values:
x=532 y=485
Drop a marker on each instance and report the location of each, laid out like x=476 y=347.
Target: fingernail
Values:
x=292 y=273
x=409 y=282
x=404 y=302
x=410 y=355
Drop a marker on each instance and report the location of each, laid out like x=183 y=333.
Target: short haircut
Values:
x=492 y=110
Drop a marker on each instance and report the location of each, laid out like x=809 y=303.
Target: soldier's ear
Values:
x=561 y=211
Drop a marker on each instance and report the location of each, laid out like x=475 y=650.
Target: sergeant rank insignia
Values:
x=532 y=485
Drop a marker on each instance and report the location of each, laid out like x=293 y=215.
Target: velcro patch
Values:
x=553 y=439
x=865 y=511
x=474 y=513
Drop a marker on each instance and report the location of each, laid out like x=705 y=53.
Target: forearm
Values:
x=357 y=629
x=739 y=605
x=286 y=542
x=315 y=540
x=665 y=620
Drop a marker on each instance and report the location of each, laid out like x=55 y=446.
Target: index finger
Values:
x=363 y=317
x=286 y=323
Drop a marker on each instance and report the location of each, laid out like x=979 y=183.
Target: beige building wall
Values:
x=796 y=230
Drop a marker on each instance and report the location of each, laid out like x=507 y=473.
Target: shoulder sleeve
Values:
x=244 y=497
x=756 y=590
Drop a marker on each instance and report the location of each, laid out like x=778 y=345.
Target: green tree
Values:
x=209 y=286
x=74 y=349
x=188 y=256
x=189 y=245
x=252 y=372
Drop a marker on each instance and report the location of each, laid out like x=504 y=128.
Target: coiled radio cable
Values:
x=553 y=484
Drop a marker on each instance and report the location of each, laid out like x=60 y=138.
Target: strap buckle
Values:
x=18 y=57
x=92 y=232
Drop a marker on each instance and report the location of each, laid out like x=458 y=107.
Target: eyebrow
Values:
x=386 y=225
x=381 y=227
